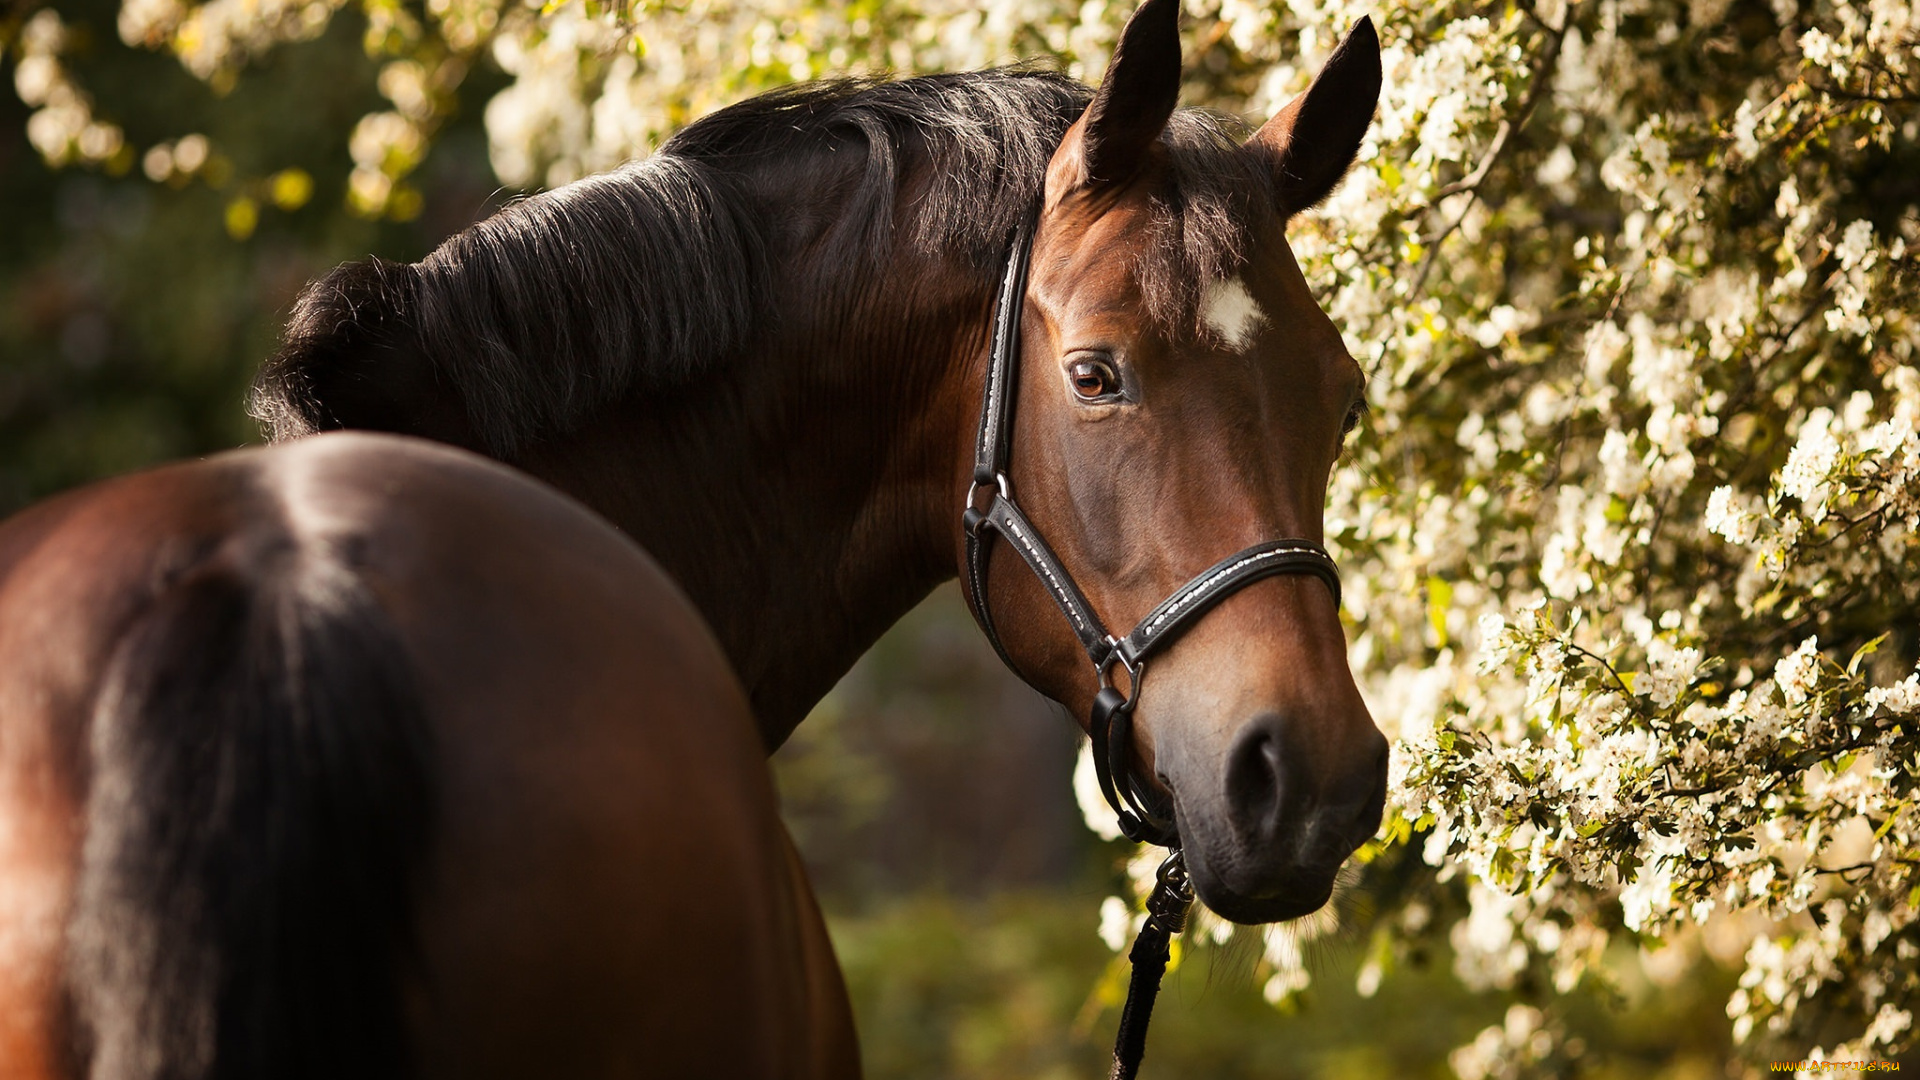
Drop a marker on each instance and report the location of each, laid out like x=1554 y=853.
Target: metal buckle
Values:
x=1172 y=897
x=1104 y=669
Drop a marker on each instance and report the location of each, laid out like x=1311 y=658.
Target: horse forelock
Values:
x=655 y=273
x=1203 y=220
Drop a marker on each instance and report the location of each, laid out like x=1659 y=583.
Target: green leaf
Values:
x=1503 y=864
x=1439 y=598
x=1864 y=651
x=1397 y=831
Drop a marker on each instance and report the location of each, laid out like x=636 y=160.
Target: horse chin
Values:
x=1270 y=898
x=1297 y=899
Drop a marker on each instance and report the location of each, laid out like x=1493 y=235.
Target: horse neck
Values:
x=804 y=494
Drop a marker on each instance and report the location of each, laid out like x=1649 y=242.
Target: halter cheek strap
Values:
x=991 y=511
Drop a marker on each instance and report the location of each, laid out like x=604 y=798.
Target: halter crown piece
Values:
x=1144 y=816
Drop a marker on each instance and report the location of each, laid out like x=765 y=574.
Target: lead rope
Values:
x=1167 y=911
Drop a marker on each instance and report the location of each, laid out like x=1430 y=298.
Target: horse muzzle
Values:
x=1266 y=830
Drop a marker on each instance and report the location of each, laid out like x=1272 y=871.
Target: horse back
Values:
x=515 y=818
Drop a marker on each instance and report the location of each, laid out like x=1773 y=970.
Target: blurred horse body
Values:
x=762 y=354
x=362 y=756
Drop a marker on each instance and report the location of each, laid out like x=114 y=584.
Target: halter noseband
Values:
x=1111 y=724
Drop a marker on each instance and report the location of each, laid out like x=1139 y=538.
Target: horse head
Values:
x=1182 y=397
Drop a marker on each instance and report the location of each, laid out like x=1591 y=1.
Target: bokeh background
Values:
x=172 y=173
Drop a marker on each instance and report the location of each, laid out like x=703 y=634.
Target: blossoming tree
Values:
x=1630 y=537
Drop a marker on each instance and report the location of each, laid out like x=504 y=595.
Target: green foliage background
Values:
x=130 y=319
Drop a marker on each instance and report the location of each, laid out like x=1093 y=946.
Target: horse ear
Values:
x=1109 y=143
x=1313 y=140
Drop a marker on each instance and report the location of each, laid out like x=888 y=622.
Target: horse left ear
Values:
x=1313 y=140
x=1109 y=142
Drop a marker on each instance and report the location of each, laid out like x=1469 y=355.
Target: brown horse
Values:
x=762 y=353
x=366 y=757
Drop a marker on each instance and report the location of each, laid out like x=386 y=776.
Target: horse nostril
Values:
x=1256 y=781
x=1279 y=792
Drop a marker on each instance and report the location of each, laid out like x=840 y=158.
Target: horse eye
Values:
x=1093 y=379
x=1354 y=416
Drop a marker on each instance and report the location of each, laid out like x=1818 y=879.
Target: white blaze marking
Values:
x=1229 y=310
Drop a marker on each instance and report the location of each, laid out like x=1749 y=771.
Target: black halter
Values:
x=1111 y=725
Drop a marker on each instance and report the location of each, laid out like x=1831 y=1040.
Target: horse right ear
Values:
x=1312 y=141
x=1110 y=141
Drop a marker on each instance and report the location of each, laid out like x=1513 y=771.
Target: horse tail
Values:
x=260 y=805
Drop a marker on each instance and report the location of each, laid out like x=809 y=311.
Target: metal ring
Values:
x=1000 y=483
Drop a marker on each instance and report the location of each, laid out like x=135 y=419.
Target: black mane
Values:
x=646 y=276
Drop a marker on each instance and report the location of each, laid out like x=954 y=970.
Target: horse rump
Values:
x=260 y=803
